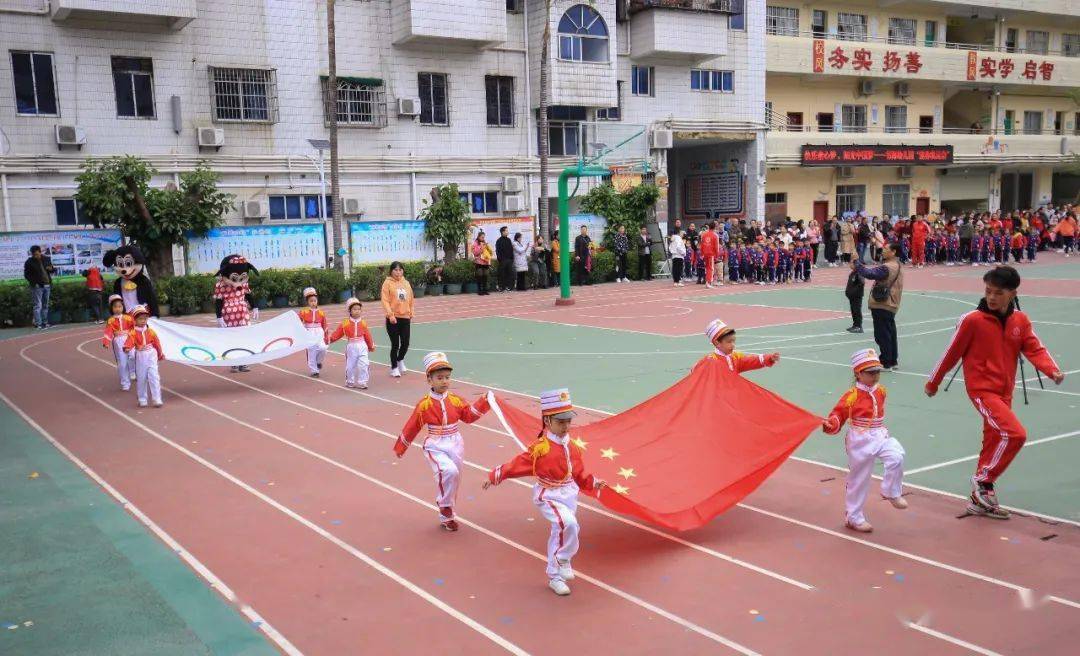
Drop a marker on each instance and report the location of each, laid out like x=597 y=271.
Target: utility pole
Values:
x=341 y=257
x=542 y=123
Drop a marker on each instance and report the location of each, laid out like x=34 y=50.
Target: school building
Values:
x=431 y=91
x=912 y=106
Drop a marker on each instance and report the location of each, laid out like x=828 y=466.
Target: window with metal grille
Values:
x=247 y=95
x=902 y=30
x=777 y=197
x=35 y=84
x=783 y=21
x=361 y=103
x=1038 y=42
x=583 y=35
x=896 y=118
x=298 y=207
x=434 y=108
x=895 y=199
x=819 y=23
x=133 y=80
x=641 y=80
x=612 y=113
x=850 y=199
x=1070 y=45
x=1033 y=122
x=851 y=27
x=853 y=118
x=500 y=100
x=481 y=202
x=68 y=212
x=705 y=80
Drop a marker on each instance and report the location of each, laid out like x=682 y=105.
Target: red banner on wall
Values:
x=972 y=65
x=819 y=56
x=876 y=155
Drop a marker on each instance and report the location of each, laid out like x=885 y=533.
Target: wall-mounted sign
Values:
x=1004 y=67
x=877 y=155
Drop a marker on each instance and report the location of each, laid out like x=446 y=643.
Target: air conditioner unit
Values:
x=513 y=184
x=211 y=137
x=351 y=206
x=902 y=90
x=408 y=106
x=906 y=171
x=254 y=209
x=70 y=135
x=866 y=87
x=845 y=172
x=513 y=203
x=663 y=139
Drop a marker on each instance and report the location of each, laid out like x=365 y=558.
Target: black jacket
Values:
x=504 y=249
x=38 y=272
x=855 y=285
x=581 y=246
x=644 y=245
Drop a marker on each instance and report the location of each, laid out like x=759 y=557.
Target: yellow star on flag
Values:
x=608 y=453
x=620 y=489
x=580 y=442
x=627 y=473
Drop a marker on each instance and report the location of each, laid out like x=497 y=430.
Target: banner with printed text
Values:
x=266 y=246
x=71 y=251
x=382 y=242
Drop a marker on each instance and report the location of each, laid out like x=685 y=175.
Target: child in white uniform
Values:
x=143 y=341
x=314 y=321
x=359 y=344
x=116 y=333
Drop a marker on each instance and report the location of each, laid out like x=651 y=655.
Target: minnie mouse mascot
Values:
x=233 y=302
x=132 y=283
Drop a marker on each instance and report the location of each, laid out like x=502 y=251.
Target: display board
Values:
x=267 y=247
x=714 y=195
x=596 y=224
x=71 y=251
x=526 y=225
x=380 y=242
x=875 y=155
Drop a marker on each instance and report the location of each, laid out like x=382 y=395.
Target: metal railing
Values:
x=953 y=45
x=777 y=123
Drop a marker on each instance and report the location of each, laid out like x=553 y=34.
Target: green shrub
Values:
x=270 y=284
x=603 y=267
x=16 y=305
x=186 y=294
x=459 y=271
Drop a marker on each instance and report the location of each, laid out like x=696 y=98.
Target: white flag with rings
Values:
x=230 y=347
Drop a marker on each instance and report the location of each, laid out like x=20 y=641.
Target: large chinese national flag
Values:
x=690 y=452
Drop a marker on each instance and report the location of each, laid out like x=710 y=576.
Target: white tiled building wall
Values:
x=289 y=37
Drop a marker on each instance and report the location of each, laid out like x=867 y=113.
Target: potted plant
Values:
x=434 y=278
x=163 y=302
x=447 y=220
x=460 y=272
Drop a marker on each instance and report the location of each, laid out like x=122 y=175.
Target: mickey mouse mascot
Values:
x=233 y=302
x=132 y=283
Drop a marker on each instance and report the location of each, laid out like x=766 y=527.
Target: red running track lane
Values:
x=754 y=532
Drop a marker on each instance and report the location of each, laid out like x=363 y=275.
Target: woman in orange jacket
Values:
x=397 y=302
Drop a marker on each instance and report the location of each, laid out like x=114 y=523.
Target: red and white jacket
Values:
x=440 y=414
x=313 y=318
x=143 y=339
x=863 y=406
x=990 y=346
x=118 y=324
x=740 y=362
x=353 y=330
x=554 y=461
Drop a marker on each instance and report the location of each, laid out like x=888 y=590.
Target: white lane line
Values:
x=677 y=619
x=348 y=548
x=194 y=563
x=948 y=638
x=1028 y=443
x=596 y=509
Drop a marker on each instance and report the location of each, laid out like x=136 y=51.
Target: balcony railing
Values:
x=779 y=124
x=780 y=30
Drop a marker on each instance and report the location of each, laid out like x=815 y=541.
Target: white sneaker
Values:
x=131 y=377
x=862 y=527
x=401 y=367
x=142 y=404
x=566 y=572
x=559 y=587
x=395 y=373
x=158 y=404
x=900 y=503
x=125 y=388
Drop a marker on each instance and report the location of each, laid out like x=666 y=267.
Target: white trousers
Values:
x=559 y=506
x=864 y=446
x=147 y=380
x=445 y=455
x=125 y=362
x=316 y=353
x=356 y=362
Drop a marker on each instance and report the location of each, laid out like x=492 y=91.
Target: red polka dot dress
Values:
x=235 y=310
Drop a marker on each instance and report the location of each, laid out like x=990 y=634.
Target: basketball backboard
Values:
x=614 y=144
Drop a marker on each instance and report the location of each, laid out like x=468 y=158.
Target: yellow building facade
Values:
x=917 y=106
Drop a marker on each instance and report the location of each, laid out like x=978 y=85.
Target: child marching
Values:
x=556 y=462
x=722 y=337
x=314 y=321
x=439 y=412
x=116 y=334
x=147 y=351
x=355 y=330
x=867 y=440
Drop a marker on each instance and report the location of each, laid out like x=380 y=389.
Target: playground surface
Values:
x=264 y=512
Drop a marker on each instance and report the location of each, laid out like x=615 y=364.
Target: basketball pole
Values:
x=579 y=171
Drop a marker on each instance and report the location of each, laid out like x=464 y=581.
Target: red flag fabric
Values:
x=687 y=454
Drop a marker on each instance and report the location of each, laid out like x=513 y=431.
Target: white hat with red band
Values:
x=865 y=360
x=557 y=404
x=435 y=361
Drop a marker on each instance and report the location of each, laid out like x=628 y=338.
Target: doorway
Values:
x=1016 y=191
x=825 y=122
x=922 y=206
x=794 y=122
x=821 y=211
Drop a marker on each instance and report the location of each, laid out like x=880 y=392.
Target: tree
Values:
x=542 y=125
x=335 y=169
x=117 y=192
x=629 y=208
x=447 y=220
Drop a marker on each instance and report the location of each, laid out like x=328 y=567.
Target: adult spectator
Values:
x=854 y=292
x=504 y=255
x=966 y=232
x=1066 y=231
x=675 y=228
x=583 y=256
x=538 y=264
x=920 y=230
x=521 y=261
x=710 y=250
x=677 y=248
x=644 y=254
x=556 y=259
x=831 y=238
x=813 y=233
x=884 y=302
x=397 y=302
x=621 y=245
x=863 y=236
x=481 y=252
x=847 y=240
x=38 y=271
x=989 y=341
x=94 y=288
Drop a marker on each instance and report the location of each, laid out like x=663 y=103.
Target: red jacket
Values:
x=351 y=329
x=740 y=362
x=143 y=339
x=553 y=463
x=863 y=406
x=710 y=244
x=93 y=280
x=116 y=325
x=990 y=347
x=440 y=415
x=919 y=231
x=315 y=317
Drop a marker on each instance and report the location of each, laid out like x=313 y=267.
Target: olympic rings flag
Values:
x=229 y=347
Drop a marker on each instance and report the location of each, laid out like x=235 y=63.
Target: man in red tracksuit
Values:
x=710 y=248
x=990 y=340
x=919 y=231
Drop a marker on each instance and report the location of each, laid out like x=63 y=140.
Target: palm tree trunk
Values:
x=542 y=124
x=332 y=88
